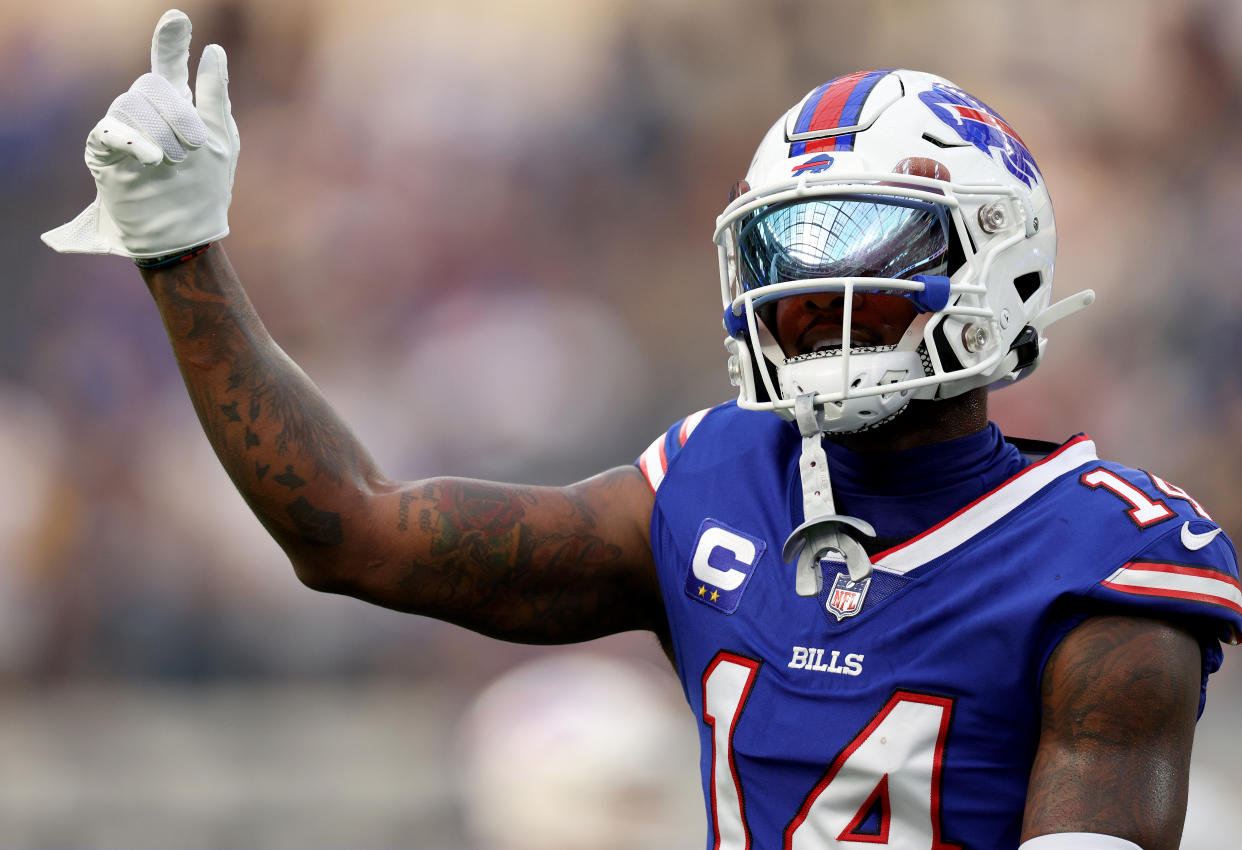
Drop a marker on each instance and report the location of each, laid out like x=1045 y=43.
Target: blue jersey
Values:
x=901 y=710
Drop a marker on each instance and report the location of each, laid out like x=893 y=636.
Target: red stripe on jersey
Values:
x=1182 y=570
x=652 y=458
x=1182 y=582
x=683 y=433
x=1175 y=594
x=689 y=424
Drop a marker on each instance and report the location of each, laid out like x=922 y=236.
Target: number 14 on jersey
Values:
x=883 y=788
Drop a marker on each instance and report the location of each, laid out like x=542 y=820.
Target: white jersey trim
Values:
x=690 y=423
x=654 y=461
x=1178 y=582
x=988 y=509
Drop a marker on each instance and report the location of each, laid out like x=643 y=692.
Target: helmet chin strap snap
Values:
x=823 y=534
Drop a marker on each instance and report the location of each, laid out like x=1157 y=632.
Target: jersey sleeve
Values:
x=654 y=462
x=1190 y=572
x=1160 y=555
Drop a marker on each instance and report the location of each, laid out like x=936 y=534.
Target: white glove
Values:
x=163 y=166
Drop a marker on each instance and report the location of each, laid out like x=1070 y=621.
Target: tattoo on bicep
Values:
x=403 y=511
x=1072 y=688
x=484 y=550
x=582 y=510
x=318 y=528
x=481 y=518
x=1115 y=746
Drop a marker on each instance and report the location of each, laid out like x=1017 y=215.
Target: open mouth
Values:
x=826 y=336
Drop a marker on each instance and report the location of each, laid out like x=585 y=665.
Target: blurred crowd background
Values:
x=484 y=230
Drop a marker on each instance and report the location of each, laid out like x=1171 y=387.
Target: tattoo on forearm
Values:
x=276 y=399
x=289 y=478
x=198 y=313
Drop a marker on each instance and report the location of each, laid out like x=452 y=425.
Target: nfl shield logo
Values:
x=845 y=597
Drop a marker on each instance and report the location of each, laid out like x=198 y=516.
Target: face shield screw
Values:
x=992 y=217
x=735 y=371
x=975 y=338
x=1035 y=225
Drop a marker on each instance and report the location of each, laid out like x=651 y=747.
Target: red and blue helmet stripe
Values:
x=837 y=103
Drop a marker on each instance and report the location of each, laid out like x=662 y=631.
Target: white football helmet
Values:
x=896 y=183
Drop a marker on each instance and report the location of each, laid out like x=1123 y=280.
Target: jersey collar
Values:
x=989 y=508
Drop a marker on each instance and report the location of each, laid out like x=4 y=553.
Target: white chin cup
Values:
x=869 y=369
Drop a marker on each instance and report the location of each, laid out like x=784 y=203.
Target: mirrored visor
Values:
x=846 y=236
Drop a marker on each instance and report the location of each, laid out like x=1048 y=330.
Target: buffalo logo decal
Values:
x=978 y=124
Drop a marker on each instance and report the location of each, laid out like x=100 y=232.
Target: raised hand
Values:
x=163 y=163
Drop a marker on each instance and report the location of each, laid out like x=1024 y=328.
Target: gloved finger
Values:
x=113 y=138
x=170 y=51
x=212 y=85
x=166 y=111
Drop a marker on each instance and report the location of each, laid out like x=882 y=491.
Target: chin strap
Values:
x=823 y=534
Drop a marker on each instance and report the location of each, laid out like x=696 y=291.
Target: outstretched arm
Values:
x=534 y=564
x=1120 y=696
x=528 y=564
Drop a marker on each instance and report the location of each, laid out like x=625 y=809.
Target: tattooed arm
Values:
x=531 y=564
x=1120 y=696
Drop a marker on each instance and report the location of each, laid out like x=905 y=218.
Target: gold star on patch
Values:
x=702 y=589
x=715 y=596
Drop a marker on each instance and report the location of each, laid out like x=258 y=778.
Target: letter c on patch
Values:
x=714 y=539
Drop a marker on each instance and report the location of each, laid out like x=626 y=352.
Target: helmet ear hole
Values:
x=1027 y=285
x=948 y=358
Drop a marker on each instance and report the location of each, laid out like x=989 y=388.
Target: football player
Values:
x=895 y=626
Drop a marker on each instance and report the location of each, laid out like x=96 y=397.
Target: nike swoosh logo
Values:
x=1194 y=541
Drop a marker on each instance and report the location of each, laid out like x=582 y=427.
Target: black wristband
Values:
x=172 y=259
